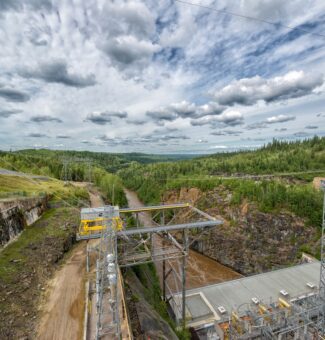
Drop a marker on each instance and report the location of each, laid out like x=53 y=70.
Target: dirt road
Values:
x=63 y=310
x=201 y=270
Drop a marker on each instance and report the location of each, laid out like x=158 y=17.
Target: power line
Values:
x=249 y=17
x=244 y=177
x=73 y=196
x=35 y=182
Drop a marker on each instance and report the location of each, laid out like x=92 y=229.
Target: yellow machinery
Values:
x=237 y=322
x=94 y=220
x=88 y=227
x=284 y=304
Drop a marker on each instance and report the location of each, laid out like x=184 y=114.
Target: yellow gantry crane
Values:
x=95 y=220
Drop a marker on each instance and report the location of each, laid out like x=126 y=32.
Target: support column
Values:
x=137 y=220
x=87 y=258
x=164 y=279
x=321 y=313
x=162 y=222
x=185 y=251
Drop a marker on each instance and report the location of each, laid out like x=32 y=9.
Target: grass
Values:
x=16 y=186
x=15 y=255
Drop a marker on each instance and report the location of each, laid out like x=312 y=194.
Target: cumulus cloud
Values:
x=57 y=72
x=13 y=95
x=135 y=121
x=128 y=50
x=270 y=120
x=219 y=147
x=37 y=135
x=227 y=118
x=226 y=133
x=5 y=113
x=148 y=58
x=231 y=118
x=127 y=37
x=311 y=127
x=165 y=135
x=185 y=109
x=279 y=119
x=256 y=125
x=63 y=137
x=162 y=114
x=105 y=117
x=45 y=118
x=248 y=91
x=281 y=129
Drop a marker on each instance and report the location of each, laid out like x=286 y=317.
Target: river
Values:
x=201 y=270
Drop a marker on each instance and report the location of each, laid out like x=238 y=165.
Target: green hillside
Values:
x=276 y=176
x=50 y=162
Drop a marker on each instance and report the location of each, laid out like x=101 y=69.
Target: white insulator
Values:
x=110 y=258
x=112 y=279
x=111 y=268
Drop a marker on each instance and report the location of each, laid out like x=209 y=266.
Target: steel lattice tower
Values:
x=322 y=268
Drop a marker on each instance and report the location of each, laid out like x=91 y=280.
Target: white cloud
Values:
x=105 y=117
x=156 y=62
x=127 y=50
x=248 y=91
x=219 y=147
x=229 y=118
x=185 y=109
x=279 y=119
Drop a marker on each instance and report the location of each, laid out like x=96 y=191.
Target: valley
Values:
x=268 y=223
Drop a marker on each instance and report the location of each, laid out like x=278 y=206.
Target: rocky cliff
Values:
x=16 y=214
x=249 y=241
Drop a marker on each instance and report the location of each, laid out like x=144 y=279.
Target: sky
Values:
x=160 y=76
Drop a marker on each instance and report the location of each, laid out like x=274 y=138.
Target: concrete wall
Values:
x=16 y=214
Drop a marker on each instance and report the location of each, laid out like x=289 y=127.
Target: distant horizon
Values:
x=176 y=153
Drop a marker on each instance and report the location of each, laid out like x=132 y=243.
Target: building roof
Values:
x=265 y=287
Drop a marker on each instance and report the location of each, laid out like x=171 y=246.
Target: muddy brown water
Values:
x=201 y=270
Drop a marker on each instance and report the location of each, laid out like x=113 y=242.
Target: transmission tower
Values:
x=65 y=172
x=108 y=319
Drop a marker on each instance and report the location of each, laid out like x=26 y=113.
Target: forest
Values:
x=276 y=176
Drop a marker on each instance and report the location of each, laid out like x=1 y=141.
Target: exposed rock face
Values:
x=250 y=241
x=145 y=321
x=189 y=195
x=15 y=215
x=12 y=223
